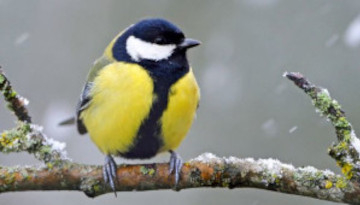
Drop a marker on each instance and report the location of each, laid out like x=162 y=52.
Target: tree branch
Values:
x=15 y=102
x=346 y=151
x=27 y=136
x=207 y=170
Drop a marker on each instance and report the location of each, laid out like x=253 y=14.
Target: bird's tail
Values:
x=69 y=121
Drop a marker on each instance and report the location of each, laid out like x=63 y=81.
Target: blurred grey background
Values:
x=247 y=109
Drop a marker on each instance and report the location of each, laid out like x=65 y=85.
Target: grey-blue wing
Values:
x=85 y=97
x=84 y=102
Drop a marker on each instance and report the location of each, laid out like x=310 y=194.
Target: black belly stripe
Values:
x=149 y=140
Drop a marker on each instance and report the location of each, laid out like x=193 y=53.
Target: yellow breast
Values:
x=121 y=100
x=180 y=112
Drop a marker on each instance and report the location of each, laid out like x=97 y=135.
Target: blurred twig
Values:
x=27 y=136
x=15 y=102
x=207 y=170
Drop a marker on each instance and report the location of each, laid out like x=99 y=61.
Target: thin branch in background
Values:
x=26 y=136
x=15 y=102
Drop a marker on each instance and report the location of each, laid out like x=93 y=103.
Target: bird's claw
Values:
x=175 y=166
x=109 y=172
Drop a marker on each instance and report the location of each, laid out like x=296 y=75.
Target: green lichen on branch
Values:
x=29 y=138
x=16 y=140
x=346 y=150
x=64 y=177
x=207 y=170
x=15 y=102
x=26 y=136
x=147 y=170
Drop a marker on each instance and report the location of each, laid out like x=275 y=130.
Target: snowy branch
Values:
x=27 y=136
x=346 y=150
x=207 y=170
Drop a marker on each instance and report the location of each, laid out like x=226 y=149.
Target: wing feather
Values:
x=85 y=97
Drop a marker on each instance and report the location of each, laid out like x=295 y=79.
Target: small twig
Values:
x=346 y=151
x=26 y=136
x=15 y=102
x=29 y=138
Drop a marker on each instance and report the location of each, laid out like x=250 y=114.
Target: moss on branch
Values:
x=346 y=150
x=207 y=170
x=29 y=138
x=15 y=102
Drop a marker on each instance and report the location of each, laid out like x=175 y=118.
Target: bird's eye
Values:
x=159 y=40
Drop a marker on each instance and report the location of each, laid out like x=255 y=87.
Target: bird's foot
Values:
x=176 y=164
x=109 y=172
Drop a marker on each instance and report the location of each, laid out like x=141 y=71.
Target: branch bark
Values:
x=207 y=170
x=346 y=150
x=15 y=102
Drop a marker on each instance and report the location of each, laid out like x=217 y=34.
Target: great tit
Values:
x=141 y=96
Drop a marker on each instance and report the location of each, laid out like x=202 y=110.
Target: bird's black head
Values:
x=151 y=40
x=158 y=31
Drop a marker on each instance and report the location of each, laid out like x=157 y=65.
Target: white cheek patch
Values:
x=139 y=49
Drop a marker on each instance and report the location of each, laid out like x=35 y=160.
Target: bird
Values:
x=141 y=96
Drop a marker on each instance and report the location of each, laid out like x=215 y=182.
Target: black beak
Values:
x=188 y=43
